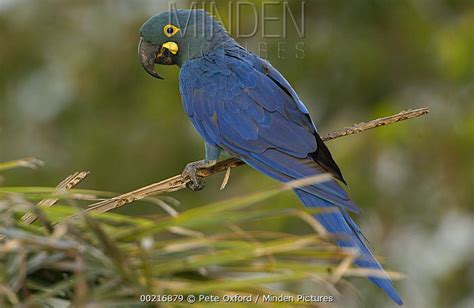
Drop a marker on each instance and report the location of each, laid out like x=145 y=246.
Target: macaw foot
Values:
x=189 y=172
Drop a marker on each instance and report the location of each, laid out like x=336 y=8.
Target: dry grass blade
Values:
x=311 y=180
x=344 y=266
x=10 y=295
x=364 y=272
x=68 y=183
x=29 y=162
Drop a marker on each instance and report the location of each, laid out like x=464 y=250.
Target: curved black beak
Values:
x=148 y=56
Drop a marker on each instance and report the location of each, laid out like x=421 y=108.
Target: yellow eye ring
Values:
x=170 y=30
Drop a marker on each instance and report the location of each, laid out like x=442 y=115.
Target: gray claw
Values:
x=196 y=183
x=196 y=186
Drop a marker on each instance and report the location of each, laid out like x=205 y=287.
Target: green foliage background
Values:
x=73 y=94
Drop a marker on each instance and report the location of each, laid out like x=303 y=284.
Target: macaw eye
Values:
x=170 y=30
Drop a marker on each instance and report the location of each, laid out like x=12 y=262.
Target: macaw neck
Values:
x=201 y=48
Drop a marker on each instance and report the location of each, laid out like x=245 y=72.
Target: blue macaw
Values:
x=241 y=104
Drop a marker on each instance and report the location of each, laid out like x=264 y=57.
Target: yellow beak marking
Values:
x=171 y=46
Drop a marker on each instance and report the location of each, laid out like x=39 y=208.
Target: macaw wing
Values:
x=253 y=116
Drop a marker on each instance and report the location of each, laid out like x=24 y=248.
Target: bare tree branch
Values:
x=178 y=182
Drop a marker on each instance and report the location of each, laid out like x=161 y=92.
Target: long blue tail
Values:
x=339 y=222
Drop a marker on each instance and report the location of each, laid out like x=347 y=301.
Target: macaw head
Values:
x=177 y=36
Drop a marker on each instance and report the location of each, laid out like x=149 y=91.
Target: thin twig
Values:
x=363 y=126
x=225 y=181
x=67 y=184
x=178 y=182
